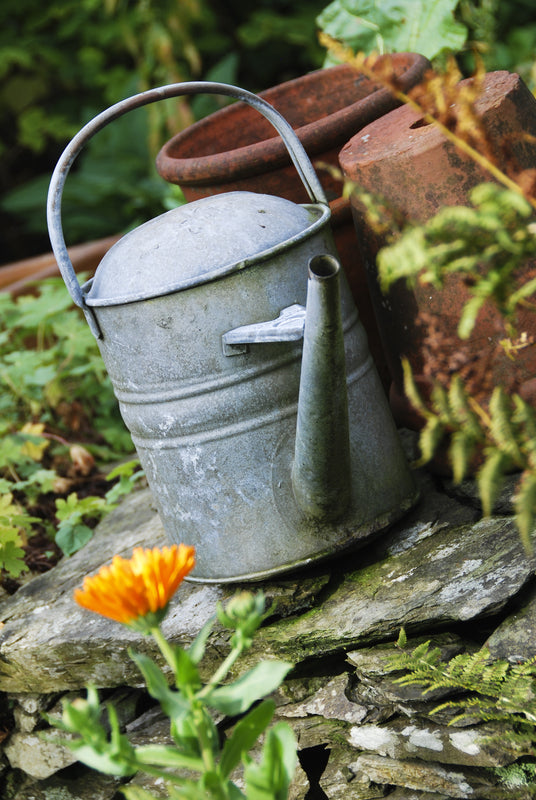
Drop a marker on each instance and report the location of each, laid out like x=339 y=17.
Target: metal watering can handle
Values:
x=295 y=148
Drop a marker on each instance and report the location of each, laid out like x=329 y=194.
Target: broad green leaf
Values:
x=104 y=762
x=41 y=480
x=196 y=651
x=160 y=755
x=188 y=790
x=237 y=697
x=418 y=26
x=134 y=792
x=174 y=705
x=75 y=508
x=71 y=538
x=172 y=702
x=11 y=555
x=270 y=779
x=127 y=469
x=245 y=734
x=186 y=672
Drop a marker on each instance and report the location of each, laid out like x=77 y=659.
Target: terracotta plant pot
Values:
x=418 y=171
x=18 y=278
x=236 y=149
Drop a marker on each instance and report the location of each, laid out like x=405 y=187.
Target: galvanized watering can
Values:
x=264 y=459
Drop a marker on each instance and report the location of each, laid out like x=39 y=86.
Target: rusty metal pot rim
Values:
x=317 y=136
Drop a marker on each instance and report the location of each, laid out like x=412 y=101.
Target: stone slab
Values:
x=515 y=638
x=431 y=571
x=453 y=576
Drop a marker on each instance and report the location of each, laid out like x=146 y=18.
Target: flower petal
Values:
x=128 y=589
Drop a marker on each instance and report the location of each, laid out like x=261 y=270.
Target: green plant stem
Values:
x=196 y=709
x=221 y=672
x=165 y=648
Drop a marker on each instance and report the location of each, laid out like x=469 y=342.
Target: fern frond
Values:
x=405 y=258
x=490 y=478
x=525 y=507
x=468 y=316
x=524 y=291
x=431 y=437
x=440 y=402
x=491 y=691
x=465 y=669
x=502 y=430
x=411 y=390
x=463 y=410
x=524 y=417
x=461 y=451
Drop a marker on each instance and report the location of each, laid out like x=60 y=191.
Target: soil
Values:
x=41 y=552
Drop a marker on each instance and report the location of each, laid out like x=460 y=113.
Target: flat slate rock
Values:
x=453 y=576
x=436 y=568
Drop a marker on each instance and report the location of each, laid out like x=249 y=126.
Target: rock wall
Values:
x=442 y=573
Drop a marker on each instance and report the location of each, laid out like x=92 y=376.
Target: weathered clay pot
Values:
x=418 y=171
x=235 y=149
x=18 y=277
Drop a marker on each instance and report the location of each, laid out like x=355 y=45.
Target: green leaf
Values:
x=502 y=429
x=172 y=702
x=186 y=672
x=134 y=792
x=525 y=291
x=188 y=790
x=468 y=316
x=525 y=507
x=411 y=390
x=461 y=450
x=430 y=438
x=237 y=697
x=196 y=651
x=11 y=555
x=490 y=478
x=107 y=763
x=402 y=639
x=161 y=755
x=417 y=26
x=74 y=508
x=271 y=778
x=71 y=538
x=245 y=734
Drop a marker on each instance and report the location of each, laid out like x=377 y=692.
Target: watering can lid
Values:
x=199 y=242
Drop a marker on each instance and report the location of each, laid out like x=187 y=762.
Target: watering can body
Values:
x=199 y=315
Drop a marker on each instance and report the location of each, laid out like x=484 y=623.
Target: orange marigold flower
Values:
x=137 y=591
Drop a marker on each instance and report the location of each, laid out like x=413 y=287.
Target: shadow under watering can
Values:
x=263 y=460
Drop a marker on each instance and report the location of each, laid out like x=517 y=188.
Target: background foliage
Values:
x=64 y=61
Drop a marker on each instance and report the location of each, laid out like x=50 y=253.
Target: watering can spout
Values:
x=321 y=472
